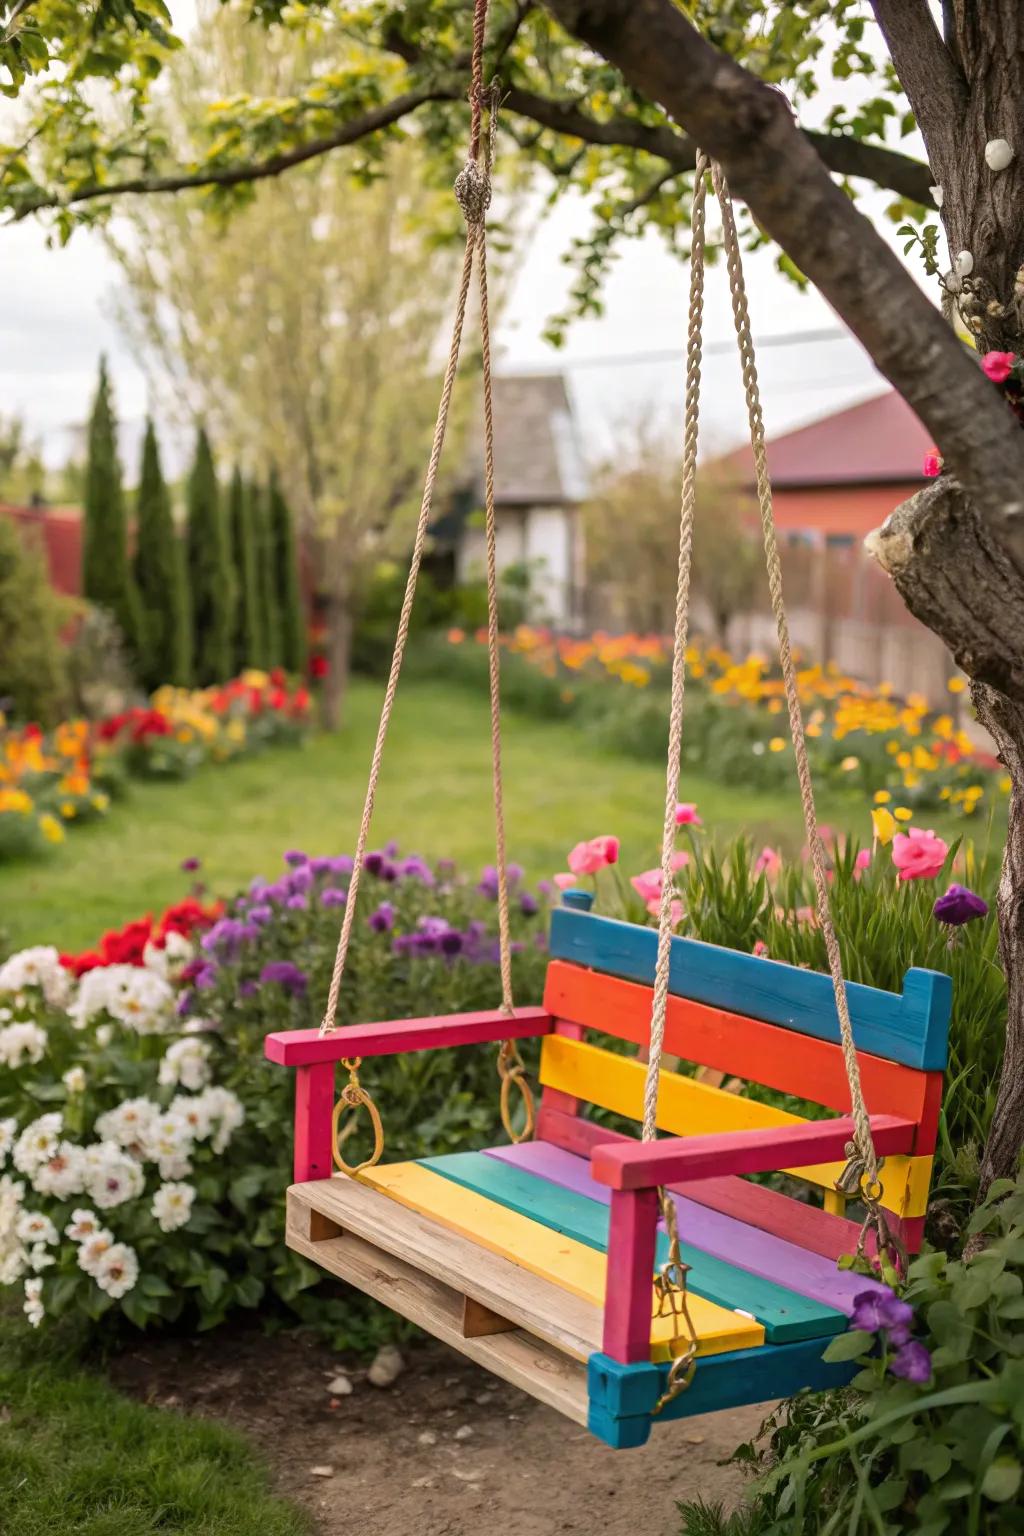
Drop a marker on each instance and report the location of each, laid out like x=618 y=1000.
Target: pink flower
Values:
x=587 y=858
x=686 y=816
x=806 y=915
x=678 y=911
x=680 y=860
x=998 y=365
x=918 y=855
x=648 y=886
x=933 y=462
x=861 y=863
x=760 y=949
x=564 y=882
x=768 y=863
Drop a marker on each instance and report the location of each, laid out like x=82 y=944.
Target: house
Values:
x=539 y=485
x=842 y=475
x=57 y=531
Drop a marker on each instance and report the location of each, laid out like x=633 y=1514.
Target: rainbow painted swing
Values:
x=556 y=1262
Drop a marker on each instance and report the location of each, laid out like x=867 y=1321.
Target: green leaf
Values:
x=849 y=1346
x=1002 y=1479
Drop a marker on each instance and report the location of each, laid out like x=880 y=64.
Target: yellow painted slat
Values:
x=689 y=1108
x=577 y=1268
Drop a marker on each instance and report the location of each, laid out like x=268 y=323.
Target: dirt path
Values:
x=447 y=1451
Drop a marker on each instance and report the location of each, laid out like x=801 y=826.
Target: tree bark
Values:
x=338 y=651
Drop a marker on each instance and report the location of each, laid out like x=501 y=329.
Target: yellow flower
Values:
x=100 y=801
x=848 y=764
x=956 y=685
x=15 y=800
x=68 y=810
x=882 y=797
x=51 y=828
x=904 y=759
x=1005 y=783
x=902 y=814
x=884 y=826
x=777 y=744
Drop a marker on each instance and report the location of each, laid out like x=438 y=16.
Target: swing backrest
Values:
x=757 y=1020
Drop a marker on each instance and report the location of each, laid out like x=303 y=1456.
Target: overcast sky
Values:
x=57 y=318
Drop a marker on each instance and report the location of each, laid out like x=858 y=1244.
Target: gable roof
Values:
x=537 y=456
x=879 y=441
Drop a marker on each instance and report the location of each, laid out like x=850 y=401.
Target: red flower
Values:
x=32 y=732
x=186 y=917
x=998 y=366
x=277 y=677
x=277 y=699
x=932 y=463
x=88 y=960
x=125 y=946
x=319 y=667
x=301 y=700
x=255 y=701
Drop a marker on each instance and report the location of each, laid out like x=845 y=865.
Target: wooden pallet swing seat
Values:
x=629 y=1281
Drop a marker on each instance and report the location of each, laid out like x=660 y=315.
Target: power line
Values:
x=673 y=354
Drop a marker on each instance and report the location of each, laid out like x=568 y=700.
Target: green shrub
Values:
x=33 y=677
x=160 y=577
x=892 y=1455
x=107 y=578
x=211 y=580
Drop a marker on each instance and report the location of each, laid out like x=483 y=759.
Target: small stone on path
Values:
x=321 y=1471
x=386 y=1368
x=426 y=1438
x=339 y=1386
x=463 y=1433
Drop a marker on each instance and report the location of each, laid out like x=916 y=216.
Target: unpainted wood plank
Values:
x=516 y=1356
x=479 y=1322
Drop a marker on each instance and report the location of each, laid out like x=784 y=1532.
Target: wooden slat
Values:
x=575 y=1204
x=745 y=1047
x=580 y=1270
x=711 y=1235
x=301 y=1047
x=911 y=1027
x=517 y=1357
x=767 y=1209
x=689 y=1108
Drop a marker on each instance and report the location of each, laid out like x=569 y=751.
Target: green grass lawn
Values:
x=435 y=799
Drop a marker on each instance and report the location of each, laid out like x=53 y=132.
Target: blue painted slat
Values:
x=911 y=1027
x=622 y=1396
x=785 y=1314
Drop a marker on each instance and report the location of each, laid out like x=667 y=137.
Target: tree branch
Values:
x=350 y=132
x=935 y=87
x=748 y=127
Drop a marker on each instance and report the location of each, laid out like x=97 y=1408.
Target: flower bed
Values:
x=49 y=782
x=145 y=1142
x=859 y=737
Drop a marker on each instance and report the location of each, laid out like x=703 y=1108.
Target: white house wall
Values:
x=542 y=538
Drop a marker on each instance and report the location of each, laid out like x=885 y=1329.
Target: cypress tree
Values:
x=160 y=577
x=248 y=629
x=267 y=575
x=106 y=572
x=210 y=578
x=289 y=590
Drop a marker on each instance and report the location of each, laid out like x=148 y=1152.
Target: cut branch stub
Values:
x=956 y=576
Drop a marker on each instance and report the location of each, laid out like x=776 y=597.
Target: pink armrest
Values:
x=306 y=1047
x=633 y=1166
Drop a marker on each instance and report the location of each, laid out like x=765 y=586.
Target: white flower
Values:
x=195 y=1112
x=20 y=1043
x=111 y=1175
x=13 y=1257
x=13 y=1260
x=128 y=1125
x=172 y=1206
x=226 y=1111
x=34 y=1309
x=104 y=1035
x=8 y=1130
x=34 y=1227
x=39 y=967
x=63 y=1174
x=37 y=1142
x=94 y=1249
x=186 y=1062
x=74 y=1080
x=117 y=1270
x=83 y=1224
x=168 y=960
x=168 y=1144
x=130 y=994
x=40 y=1257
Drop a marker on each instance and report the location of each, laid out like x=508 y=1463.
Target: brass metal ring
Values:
x=353 y=1097
x=516 y=1074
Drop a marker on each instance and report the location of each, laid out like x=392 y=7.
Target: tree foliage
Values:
x=106 y=570
x=160 y=577
x=245 y=555
x=33 y=679
x=210 y=577
x=285 y=566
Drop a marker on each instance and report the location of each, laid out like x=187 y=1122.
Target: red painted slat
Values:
x=302 y=1047
x=314 y=1106
x=748 y=1048
x=638 y=1166
x=631 y=1254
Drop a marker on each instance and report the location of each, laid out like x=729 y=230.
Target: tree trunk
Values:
x=338 y=650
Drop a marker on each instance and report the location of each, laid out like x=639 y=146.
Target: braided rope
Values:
x=865 y=1147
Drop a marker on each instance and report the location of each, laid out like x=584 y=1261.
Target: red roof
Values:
x=879 y=441
x=59 y=529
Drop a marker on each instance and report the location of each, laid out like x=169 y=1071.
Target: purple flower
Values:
x=299 y=879
x=391 y=849
x=188 y=865
x=332 y=897
x=959 y=906
x=488 y=885
x=373 y=863
x=880 y=1308
x=514 y=873
x=382 y=921
x=446 y=866
x=286 y=975
x=912 y=1362
x=342 y=864
x=205 y=978
x=186 y=1003
x=545 y=887
x=248 y=989
x=528 y=904
x=295 y=857
x=276 y=892
x=321 y=866
x=261 y=913
x=298 y=903
x=417 y=868
x=451 y=942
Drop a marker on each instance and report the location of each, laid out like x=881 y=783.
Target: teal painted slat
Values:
x=785 y=1314
x=622 y=1396
x=911 y=1027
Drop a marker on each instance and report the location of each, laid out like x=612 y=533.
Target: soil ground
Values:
x=446 y=1451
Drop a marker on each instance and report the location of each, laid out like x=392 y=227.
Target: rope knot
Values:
x=473 y=191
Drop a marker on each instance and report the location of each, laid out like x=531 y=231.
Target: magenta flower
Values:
x=686 y=815
x=588 y=857
x=959 y=906
x=767 y=863
x=880 y=1308
x=188 y=865
x=998 y=366
x=647 y=885
x=332 y=897
x=918 y=855
x=932 y=464
x=912 y=1362
x=285 y=975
